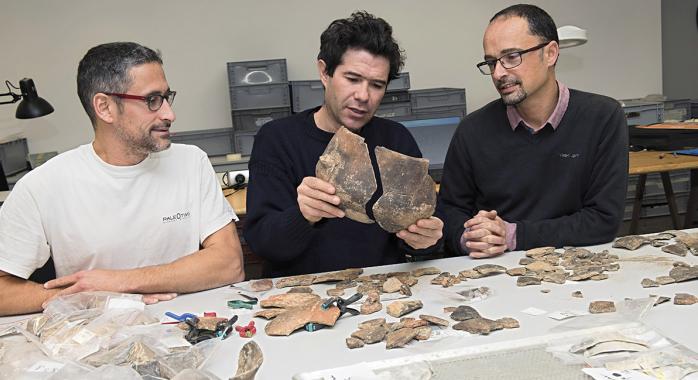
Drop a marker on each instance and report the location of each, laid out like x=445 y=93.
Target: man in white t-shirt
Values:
x=127 y=213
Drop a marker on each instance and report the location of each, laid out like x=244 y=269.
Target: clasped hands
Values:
x=317 y=200
x=485 y=235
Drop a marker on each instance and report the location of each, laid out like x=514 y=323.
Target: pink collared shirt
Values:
x=515 y=120
x=563 y=99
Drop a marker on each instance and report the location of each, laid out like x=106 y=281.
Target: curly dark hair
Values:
x=362 y=31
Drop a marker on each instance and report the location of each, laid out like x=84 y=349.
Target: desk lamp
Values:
x=30 y=107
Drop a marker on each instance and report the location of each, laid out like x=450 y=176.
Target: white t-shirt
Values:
x=88 y=214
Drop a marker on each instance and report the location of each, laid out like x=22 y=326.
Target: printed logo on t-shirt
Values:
x=180 y=216
x=569 y=155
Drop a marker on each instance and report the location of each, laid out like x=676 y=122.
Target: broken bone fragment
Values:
x=400 y=308
x=408 y=190
x=249 y=361
x=297 y=317
x=631 y=242
x=599 y=307
x=346 y=164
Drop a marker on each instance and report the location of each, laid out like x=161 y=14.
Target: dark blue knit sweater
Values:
x=561 y=187
x=287 y=150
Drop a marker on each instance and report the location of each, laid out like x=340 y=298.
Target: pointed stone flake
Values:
x=678 y=249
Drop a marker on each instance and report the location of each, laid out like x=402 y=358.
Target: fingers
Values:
x=479 y=250
x=153 y=298
x=316 y=200
x=315 y=188
x=487 y=214
x=314 y=209
x=480 y=220
x=315 y=183
x=62 y=282
x=493 y=227
x=423 y=234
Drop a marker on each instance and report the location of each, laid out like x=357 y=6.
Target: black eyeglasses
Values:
x=508 y=61
x=154 y=102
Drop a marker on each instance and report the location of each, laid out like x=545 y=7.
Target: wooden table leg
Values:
x=637 y=205
x=671 y=200
x=692 y=200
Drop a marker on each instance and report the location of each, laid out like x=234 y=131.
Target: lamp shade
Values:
x=31 y=105
x=571 y=36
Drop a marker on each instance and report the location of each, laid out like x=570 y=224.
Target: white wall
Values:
x=45 y=40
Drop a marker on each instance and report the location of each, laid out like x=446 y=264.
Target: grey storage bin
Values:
x=268 y=71
x=214 y=142
x=401 y=83
x=13 y=155
x=444 y=111
x=391 y=110
x=306 y=94
x=679 y=109
x=395 y=97
x=437 y=97
x=244 y=142
x=252 y=120
x=256 y=97
x=639 y=112
x=694 y=109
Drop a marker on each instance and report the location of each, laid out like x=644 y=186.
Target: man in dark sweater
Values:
x=293 y=219
x=542 y=166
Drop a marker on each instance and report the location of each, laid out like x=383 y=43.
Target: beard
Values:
x=143 y=142
x=514 y=98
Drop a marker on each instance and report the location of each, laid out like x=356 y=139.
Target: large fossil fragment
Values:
x=408 y=190
x=347 y=166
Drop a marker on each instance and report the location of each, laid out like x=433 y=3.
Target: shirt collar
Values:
x=563 y=100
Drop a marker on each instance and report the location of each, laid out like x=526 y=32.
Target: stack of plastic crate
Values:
x=259 y=93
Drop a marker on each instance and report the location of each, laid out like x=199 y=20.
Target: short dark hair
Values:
x=539 y=21
x=362 y=31
x=105 y=68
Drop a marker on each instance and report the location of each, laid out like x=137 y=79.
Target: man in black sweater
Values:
x=542 y=166
x=293 y=219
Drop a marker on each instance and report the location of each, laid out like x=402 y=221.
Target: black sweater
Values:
x=561 y=187
x=287 y=150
